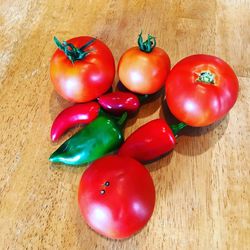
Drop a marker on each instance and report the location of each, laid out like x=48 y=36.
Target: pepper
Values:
x=150 y=141
x=102 y=136
x=119 y=102
x=77 y=114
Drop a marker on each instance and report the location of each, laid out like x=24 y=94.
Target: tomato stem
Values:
x=71 y=51
x=206 y=77
x=176 y=128
x=148 y=45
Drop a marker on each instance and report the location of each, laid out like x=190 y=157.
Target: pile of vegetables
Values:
x=116 y=194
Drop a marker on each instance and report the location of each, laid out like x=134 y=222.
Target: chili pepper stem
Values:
x=176 y=128
x=122 y=119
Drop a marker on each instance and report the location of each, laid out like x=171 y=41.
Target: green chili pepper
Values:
x=100 y=137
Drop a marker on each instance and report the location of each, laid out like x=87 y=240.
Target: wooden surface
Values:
x=202 y=187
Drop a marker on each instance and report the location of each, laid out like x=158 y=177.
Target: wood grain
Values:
x=202 y=187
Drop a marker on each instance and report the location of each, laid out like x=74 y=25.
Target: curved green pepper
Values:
x=100 y=137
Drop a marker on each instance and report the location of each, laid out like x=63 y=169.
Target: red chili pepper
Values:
x=77 y=114
x=119 y=102
x=150 y=141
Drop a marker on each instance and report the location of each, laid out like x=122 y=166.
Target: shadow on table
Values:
x=207 y=136
x=60 y=167
x=158 y=163
x=57 y=104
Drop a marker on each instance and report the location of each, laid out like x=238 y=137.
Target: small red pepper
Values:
x=119 y=102
x=150 y=141
x=77 y=114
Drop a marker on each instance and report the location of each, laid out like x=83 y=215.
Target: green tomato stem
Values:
x=206 y=77
x=148 y=45
x=71 y=51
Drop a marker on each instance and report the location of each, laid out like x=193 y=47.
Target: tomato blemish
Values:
x=102 y=192
x=107 y=183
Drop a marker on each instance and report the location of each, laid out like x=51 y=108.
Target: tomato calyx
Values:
x=73 y=53
x=148 y=45
x=206 y=77
x=176 y=128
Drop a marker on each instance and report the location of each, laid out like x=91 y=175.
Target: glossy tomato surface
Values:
x=116 y=196
x=201 y=89
x=142 y=72
x=85 y=79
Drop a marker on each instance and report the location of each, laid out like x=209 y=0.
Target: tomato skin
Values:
x=86 y=79
x=144 y=73
x=128 y=201
x=197 y=103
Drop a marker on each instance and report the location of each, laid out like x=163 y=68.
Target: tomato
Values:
x=85 y=79
x=201 y=89
x=142 y=71
x=116 y=196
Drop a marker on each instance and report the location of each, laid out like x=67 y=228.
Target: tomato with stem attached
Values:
x=144 y=69
x=82 y=69
x=201 y=89
x=116 y=196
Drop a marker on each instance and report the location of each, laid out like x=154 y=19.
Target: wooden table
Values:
x=202 y=186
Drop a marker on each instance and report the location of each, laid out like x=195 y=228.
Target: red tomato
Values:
x=116 y=196
x=201 y=89
x=86 y=79
x=144 y=72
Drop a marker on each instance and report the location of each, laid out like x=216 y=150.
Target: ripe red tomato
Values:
x=116 y=196
x=144 y=72
x=84 y=79
x=201 y=89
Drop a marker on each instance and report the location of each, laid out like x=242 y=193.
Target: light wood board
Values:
x=202 y=187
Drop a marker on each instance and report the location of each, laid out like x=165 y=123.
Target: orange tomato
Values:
x=144 y=72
